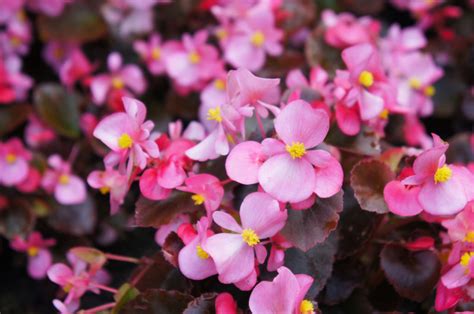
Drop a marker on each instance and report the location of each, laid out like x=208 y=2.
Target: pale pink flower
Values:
x=14 y=85
x=285 y=294
x=461 y=227
x=66 y=308
x=207 y=190
x=153 y=52
x=14 y=162
x=8 y=8
x=234 y=253
x=110 y=182
x=39 y=257
x=16 y=38
x=461 y=273
x=56 y=52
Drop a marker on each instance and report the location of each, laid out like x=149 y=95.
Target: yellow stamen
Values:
x=63 y=179
x=306 y=307
x=214 y=114
x=250 y=237
x=125 y=141
x=221 y=33
x=104 y=190
x=194 y=57
x=466 y=258
x=296 y=150
x=429 y=91
x=219 y=84
x=67 y=288
x=58 y=53
x=257 y=39
x=10 y=158
x=198 y=199
x=443 y=174
x=15 y=41
x=33 y=251
x=201 y=253
x=156 y=53
x=469 y=237
x=366 y=78
x=414 y=83
x=384 y=114
x=117 y=83
x=230 y=139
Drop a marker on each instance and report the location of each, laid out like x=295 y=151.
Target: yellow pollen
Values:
x=469 y=237
x=198 y=199
x=466 y=258
x=384 y=114
x=156 y=53
x=15 y=41
x=117 y=83
x=415 y=83
x=214 y=114
x=219 y=84
x=250 y=237
x=58 y=53
x=201 y=253
x=257 y=39
x=63 y=179
x=230 y=139
x=443 y=174
x=32 y=251
x=366 y=78
x=10 y=158
x=429 y=91
x=125 y=141
x=67 y=288
x=306 y=307
x=296 y=150
x=104 y=190
x=194 y=57
x=221 y=33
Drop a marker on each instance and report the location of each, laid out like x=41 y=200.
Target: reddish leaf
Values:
x=204 y=304
x=155 y=301
x=12 y=116
x=171 y=248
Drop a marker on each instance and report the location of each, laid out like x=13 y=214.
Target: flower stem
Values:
x=99 y=308
x=122 y=258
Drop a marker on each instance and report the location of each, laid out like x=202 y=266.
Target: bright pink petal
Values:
x=243 y=162
x=150 y=188
x=427 y=162
x=171 y=176
x=348 y=119
x=401 y=200
x=59 y=274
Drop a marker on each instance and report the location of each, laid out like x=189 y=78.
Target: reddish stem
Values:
x=99 y=308
x=122 y=258
x=260 y=125
x=224 y=182
x=105 y=288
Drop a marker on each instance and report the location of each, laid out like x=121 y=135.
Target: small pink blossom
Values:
x=206 y=190
x=76 y=67
x=225 y=304
x=56 y=52
x=461 y=227
x=110 y=182
x=37 y=133
x=14 y=162
x=153 y=52
x=14 y=85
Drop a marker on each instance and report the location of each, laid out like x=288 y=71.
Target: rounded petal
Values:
x=193 y=266
x=226 y=221
x=39 y=264
x=74 y=192
x=112 y=127
x=171 y=176
x=401 y=200
x=329 y=174
x=456 y=277
x=100 y=86
x=445 y=198
x=150 y=188
x=299 y=122
x=14 y=173
x=59 y=273
x=427 y=162
x=243 y=162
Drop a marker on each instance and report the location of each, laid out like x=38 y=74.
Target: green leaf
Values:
x=125 y=294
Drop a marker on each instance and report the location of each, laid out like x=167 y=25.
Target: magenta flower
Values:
x=68 y=188
x=121 y=78
x=56 y=52
x=225 y=304
x=17 y=36
x=37 y=133
x=14 y=85
x=127 y=135
x=39 y=257
x=8 y=8
x=194 y=262
x=284 y=167
x=76 y=67
x=206 y=190
x=14 y=159
x=285 y=294
x=234 y=253
x=153 y=53
x=110 y=182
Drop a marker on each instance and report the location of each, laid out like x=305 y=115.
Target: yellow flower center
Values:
x=250 y=237
x=201 y=253
x=469 y=237
x=214 y=114
x=466 y=258
x=67 y=287
x=443 y=174
x=257 y=39
x=296 y=150
x=306 y=307
x=15 y=41
x=58 y=53
x=230 y=139
x=194 y=57
x=415 y=83
x=366 y=78
x=221 y=33
x=198 y=199
x=10 y=158
x=64 y=179
x=219 y=84
x=429 y=91
x=117 y=83
x=156 y=53
x=125 y=141
x=384 y=114
x=32 y=251
x=104 y=190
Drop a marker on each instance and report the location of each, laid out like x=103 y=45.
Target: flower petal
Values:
x=243 y=162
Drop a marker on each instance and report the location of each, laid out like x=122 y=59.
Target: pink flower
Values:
x=110 y=182
x=446 y=298
x=284 y=167
x=254 y=36
x=194 y=262
x=285 y=294
x=206 y=190
x=37 y=133
x=14 y=85
x=225 y=304
x=14 y=159
x=153 y=53
x=234 y=253
x=8 y=8
x=127 y=134
x=39 y=257
x=68 y=188
x=173 y=226
x=345 y=30
x=56 y=52
x=121 y=78
x=76 y=67
x=461 y=273
x=461 y=227
x=17 y=36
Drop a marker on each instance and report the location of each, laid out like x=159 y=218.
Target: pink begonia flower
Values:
x=194 y=262
x=153 y=52
x=37 y=133
x=461 y=227
x=318 y=81
x=39 y=257
x=345 y=30
x=285 y=294
x=234 y=253
x=284 y=167
x=16 y=38
x=225 y=304
x=164 y=230
x=56 y=52
x=446 y=298
x=14 y=85
x=32 y=181
x=127 y=135
x=277 y=252
x=76 y=67
x=8 y=8
x=214 y=93
x=461 y=273
x=14 y=159
x=435 y=187
x=255 y=36
x=193 y=62
x=121 y=77
x=48 y=7
x=110 y=182
x=399 y=42
x=68 y=188
x=206 y=189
